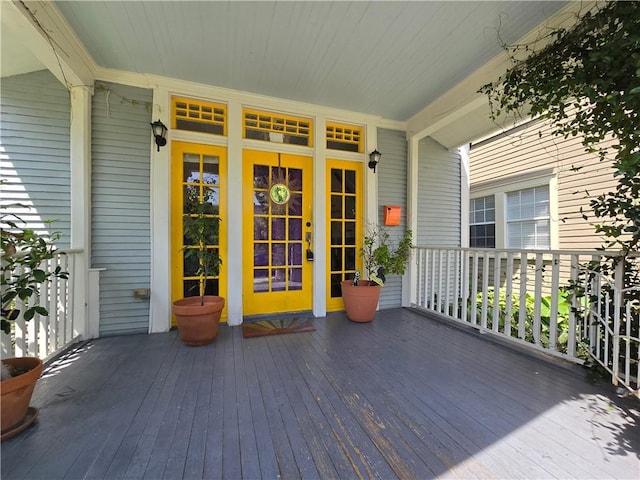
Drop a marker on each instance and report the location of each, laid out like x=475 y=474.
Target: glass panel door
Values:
x=277 y=226
x=344 y=226
x=198 y=176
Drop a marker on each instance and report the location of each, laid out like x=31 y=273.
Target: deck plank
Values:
x=405 y=396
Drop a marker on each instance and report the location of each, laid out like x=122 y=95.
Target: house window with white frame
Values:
x=528 y=218
x=482 y=222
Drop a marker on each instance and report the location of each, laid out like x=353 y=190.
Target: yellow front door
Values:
x=198 y=174
x=344 y=226
x=278 y=229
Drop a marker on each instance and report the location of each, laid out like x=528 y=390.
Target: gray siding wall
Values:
x=438 y=195
x=34 y=133
x=392 y=190
x=121 y=137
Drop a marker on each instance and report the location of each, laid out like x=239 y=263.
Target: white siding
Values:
x=34 y=137
x=392 y=190
x=438 y=195
x=121 y=138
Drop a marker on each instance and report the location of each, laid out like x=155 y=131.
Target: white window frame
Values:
x=532 y=221
x=485 y=222
x=499 y=188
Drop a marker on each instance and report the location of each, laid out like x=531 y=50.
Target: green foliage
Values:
x=564 y=305
x=586 y=81
x=201 y=230
x=378 y=252
x=23 y=252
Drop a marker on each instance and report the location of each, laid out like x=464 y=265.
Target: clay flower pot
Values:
x=16 y=395
x=361 y=301
x=198 y=324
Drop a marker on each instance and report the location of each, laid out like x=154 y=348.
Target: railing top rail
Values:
x=601 y=253
x=67 y=251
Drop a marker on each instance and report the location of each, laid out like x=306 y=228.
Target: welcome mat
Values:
x=276 y=327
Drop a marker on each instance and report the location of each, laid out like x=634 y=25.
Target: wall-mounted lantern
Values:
x=374 y=159
x=159 y=131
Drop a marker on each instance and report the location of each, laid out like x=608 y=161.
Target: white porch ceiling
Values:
x=389 y=59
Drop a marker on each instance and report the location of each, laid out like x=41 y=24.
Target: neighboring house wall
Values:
x=121 y=137
x=34 y=137
x=392 y=190
x=530 y=155
x=438 y=195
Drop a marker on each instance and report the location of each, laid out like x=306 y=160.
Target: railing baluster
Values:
x=495 y=320
x=485 y=289
x=522 y=312
x=555 y=293
x=508 y=294
x=572 y=323
x=474 y=290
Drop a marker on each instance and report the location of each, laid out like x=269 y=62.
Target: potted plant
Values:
x=198 y=316
x=379 y=258
x=23 y=253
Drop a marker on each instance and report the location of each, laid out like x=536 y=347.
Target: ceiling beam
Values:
x=41 y=28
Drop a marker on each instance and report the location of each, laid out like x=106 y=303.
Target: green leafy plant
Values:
x=381 y=257
x=23 y=253
x=564 y=305
x=201 y=231
x=586 y=81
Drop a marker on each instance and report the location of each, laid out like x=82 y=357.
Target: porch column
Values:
x=409 y=284
x=464 y=195
x=160 y=302
x=233 y=267
x=80 y=165
x=370 y=179
x=319 y=218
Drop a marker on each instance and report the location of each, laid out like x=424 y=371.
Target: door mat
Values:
x=276 y=327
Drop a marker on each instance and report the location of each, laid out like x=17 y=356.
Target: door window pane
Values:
x=350 y=207
x=336 y=180
x=260 y=280
x=295 y=229
x=336 y=206
x=349 y=181
x=277 y=255
x=261 y=255
x=295 y=280
x=336 y=233
x=210 y=170
x=260 y=229
x=277 y=228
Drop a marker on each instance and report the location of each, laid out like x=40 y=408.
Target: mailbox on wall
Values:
x=391 y=215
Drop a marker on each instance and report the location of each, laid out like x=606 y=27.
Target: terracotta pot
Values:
x=17 y=391
x=198 y=324
x=360 y=302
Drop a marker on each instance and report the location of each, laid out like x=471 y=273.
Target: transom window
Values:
x=197 y=116
x=482 y=222
x=528 y=218
x=277 y=128
x=344 y=137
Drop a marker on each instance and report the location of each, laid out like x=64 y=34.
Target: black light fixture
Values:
x=159 y=131
x=374 y=159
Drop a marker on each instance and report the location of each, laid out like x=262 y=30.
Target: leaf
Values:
x=39 y=275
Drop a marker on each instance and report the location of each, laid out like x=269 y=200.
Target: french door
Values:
x=344 y=226
x=198 y=174
x=277 y=226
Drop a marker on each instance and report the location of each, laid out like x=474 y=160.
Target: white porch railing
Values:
x=44 y=336
x=520 y=295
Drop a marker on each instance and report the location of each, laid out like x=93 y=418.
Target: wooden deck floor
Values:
x=403 y=397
